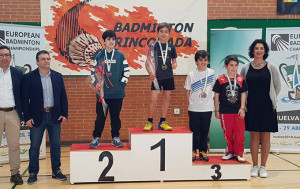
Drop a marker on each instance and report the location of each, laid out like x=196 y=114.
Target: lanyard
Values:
x=232 y=91
x=164 y=57
x=206 y=73
x=108 y=62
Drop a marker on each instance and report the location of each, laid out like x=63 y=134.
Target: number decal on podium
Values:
x=103 y=176
x=217 y=171
x=162 y=145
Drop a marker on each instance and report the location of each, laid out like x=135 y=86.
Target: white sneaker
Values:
x=227 y=157
x=254 y=171
x=240 y=159
x=263 y=172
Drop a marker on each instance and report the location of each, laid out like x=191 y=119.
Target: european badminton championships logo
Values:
x=279 y=42
x=290 y=74
x=2 y=37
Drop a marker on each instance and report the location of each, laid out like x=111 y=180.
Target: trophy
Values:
x=98 y=80
x=152 y=63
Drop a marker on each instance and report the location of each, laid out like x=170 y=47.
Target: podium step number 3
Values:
x=150 y=156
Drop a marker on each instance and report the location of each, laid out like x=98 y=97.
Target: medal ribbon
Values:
x=164 y=57
x=230 y=85
x=107 y=61
x=205 y=84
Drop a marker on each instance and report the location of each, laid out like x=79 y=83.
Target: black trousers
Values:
x=199 y=125
x=114 y=108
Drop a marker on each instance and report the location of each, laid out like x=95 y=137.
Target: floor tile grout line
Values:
x=285 y=160
x=14 y=186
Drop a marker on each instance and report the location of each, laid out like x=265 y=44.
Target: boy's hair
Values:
x=231 y=58
x=5 y=47
x=252 y=46
x=162 y=25
x=109 y=33
x=202 y=54
x=41 y=52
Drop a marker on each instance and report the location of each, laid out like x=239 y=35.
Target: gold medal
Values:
x=164 y=67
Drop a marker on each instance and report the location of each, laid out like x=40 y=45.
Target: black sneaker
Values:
x=59 y=176
x=17 y=179
x=194 y=155
x=32 y=178
x=203 y=156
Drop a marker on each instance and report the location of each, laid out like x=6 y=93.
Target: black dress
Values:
x=260 y=115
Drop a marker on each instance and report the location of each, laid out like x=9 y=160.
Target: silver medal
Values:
x=108 y=62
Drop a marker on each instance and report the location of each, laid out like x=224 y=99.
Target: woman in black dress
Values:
x=261 y=117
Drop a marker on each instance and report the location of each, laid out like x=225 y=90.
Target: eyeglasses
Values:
x=45 y=59
x=5 y=55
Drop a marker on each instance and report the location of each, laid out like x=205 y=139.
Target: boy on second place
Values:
x=230 y=99
x=114 y=77
x=166 y=55
x=199 y=84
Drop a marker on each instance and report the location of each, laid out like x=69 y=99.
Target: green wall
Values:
x=217 y=140
x=250 y=23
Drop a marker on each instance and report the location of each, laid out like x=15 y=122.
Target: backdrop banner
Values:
x=24 y=146
x=24 y=42
x=226 y=42
x=288 y=6
x=74 y=31
x=284 y=54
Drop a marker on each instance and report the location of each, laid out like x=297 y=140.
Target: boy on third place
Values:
x=230 y=99
x=199 y=84
x=116 y=75
x=166 y=55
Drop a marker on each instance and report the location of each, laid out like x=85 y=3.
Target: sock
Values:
x=162 y=119
x=150 y=120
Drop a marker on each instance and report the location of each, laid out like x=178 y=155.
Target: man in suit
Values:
x=45 y=105
x=10 y=111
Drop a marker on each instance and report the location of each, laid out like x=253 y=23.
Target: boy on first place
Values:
x=166 y=55
x=230 y=100
x=114 y=77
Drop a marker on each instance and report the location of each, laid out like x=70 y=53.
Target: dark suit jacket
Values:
x=16 y=77
x=33 y=101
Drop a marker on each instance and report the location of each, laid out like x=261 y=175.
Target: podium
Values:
x=150 y=156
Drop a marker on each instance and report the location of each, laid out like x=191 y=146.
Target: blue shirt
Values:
x=47 y=90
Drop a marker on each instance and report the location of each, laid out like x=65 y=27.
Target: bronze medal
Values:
x=203 y=95
x=109 y=74
x=233 y=99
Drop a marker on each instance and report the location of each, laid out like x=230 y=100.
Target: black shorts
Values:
x=166 y=84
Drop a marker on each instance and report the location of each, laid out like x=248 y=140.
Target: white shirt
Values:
x=7 y=99
x=196 y=87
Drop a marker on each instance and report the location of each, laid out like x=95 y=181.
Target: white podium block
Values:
x=150 y=156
